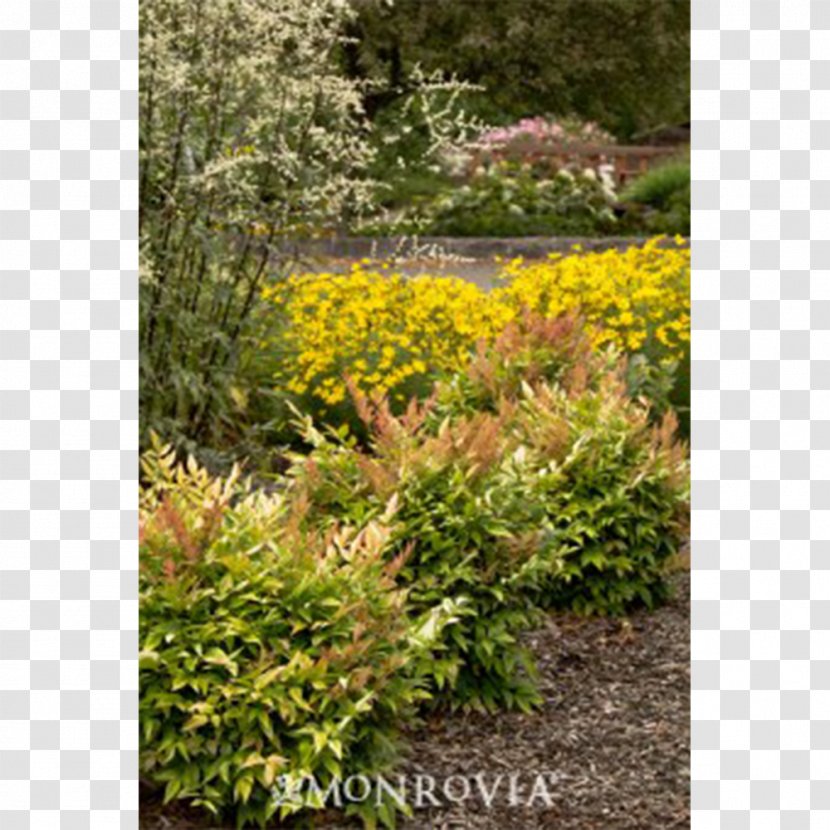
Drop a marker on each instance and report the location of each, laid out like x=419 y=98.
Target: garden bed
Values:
x=613 y=732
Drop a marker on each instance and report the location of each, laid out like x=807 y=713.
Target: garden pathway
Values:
x=472 y=259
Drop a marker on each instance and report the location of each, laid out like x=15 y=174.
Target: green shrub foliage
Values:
x=467 y=526
x=532 y=479
x=265 y=652
x=276 y=642
x=509 y=199
x=615 y=498
x=664 y=196
x=613 y=485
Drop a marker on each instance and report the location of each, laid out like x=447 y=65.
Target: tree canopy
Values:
x=621 y=63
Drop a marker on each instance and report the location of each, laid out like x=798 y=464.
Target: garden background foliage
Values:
x=250 y=134
x=262 y=122
x=621 y=63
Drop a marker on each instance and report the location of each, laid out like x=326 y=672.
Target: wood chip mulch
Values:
x=612 y=737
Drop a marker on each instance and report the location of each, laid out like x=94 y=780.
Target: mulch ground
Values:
x=612 y=737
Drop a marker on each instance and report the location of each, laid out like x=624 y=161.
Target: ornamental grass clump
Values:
x=469 y=528
x=664 y=195
x=267 y=653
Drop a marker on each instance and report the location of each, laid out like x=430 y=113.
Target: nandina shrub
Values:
x=532 y=480
x=531 y=349
x=613 y=485
x=267 y=653
x=467 y=525
x=615 y=490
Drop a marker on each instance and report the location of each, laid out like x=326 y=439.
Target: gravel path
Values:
x=612 y=737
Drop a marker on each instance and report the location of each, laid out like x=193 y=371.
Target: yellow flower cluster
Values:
x=380 y=329
x=637 y=299
x=391 y=333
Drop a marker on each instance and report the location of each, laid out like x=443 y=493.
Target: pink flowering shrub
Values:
x=541 y=130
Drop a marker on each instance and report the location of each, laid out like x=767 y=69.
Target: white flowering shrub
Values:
x=250 y=134
x=509 y=199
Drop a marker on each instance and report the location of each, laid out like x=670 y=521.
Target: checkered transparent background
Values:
x=68 y=410
x=761 y=421
x=761 y=429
